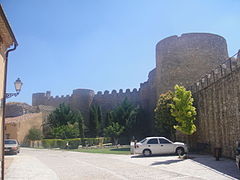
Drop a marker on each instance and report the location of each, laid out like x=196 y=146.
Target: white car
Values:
x=159 y=145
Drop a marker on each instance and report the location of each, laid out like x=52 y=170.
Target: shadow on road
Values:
x=165 y=162
x=157 y=155
x=225 y=166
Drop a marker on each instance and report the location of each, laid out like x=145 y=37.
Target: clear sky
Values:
x=103 y=44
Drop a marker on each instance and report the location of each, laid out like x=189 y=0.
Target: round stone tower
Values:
x=184 y=60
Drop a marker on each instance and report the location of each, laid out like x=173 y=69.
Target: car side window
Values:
x=152 y=141
x=164 y=141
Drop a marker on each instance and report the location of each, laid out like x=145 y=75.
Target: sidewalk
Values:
x=26 y=167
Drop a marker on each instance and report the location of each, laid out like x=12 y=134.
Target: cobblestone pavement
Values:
x=66 y=165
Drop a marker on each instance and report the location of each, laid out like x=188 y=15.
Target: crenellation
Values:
x=99 y=93
x=106 y=92
x=127 y=91
x=135 y=90
x=195 y=60
x=114 y=92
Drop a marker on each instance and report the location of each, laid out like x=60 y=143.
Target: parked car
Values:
x=11 y=146
x=159 y=145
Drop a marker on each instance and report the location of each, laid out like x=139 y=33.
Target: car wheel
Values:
x=180 y=151
x=147 y=152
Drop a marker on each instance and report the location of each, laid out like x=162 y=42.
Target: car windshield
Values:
x=142 y=141
x=10 y=142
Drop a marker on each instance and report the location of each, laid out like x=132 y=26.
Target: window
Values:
x=153 y=141
x=10 y=142
x=142 y=141
x=164 y=141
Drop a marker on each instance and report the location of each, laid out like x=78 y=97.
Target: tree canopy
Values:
x=114 y=131
x=126 y=115
x=95 y=120
x=64 y=123
x=62 y=115
x=183 y=110
x=164 y=121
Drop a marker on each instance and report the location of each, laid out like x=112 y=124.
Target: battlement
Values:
x=47 y=99
x=219 y=72
x=183 y=59
x=179 y=60
x=114 y=92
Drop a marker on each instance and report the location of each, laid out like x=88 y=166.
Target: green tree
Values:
x=164 y=121
x=79 y=117
x=183 y=110
x=61 y=116
x=108 y=119
x=100 y=121
x=126 y=115
x=114 y=131
x=34 y=134
x=66 y=131
x=94 y=124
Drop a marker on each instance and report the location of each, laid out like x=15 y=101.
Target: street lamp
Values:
x=18 y=85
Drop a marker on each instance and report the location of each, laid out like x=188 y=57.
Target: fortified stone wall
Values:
x=47 y=99
x=109 y=101
x=14 y=109
x=148 y=99
x=217 y=98
x=184 y=59
x=179 y=60
x=18 y=127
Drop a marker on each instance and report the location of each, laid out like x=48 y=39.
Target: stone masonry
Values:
x=179 y=60
x=192 y=60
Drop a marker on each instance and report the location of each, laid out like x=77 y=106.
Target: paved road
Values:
x=65 y=165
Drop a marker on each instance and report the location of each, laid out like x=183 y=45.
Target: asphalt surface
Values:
x=65 y=165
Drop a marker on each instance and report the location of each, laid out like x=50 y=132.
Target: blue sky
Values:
x=103 y=44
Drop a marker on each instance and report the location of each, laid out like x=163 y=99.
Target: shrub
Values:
x=66 y=131
x=60 y=143
x=73 y=143
x=34 y=134
x=48 y=143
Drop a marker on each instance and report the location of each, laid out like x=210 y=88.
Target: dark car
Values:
x=238 y=155
x=11 y=146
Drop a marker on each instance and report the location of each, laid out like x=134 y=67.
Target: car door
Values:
x=153 y=145
x=166 y=146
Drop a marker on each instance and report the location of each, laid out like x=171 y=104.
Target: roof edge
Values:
x=2 y=14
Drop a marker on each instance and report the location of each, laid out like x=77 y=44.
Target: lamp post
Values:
x=18 y=85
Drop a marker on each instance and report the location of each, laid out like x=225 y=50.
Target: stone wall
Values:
x=18 y=127
x=179 y=60
x=14 y=109
x=184 y=59
x=109 y=101
x=218 y=105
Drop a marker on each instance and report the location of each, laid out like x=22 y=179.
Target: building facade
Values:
x=7 y=39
